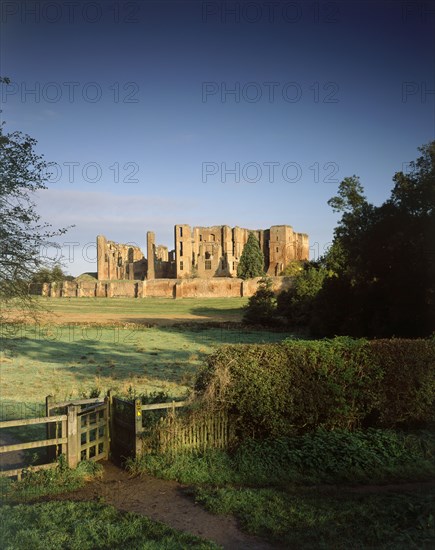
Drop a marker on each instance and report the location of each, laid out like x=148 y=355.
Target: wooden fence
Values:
x=179 y=432
x=60 y=439
x=92 y=429
x=78 y=430
x=194 y=433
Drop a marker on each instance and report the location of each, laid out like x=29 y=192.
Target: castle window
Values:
x=234 y=266
x=200 y=237
x=277 y=249
x=207 y=255
x=181 y=231
x=207 y=264
x=181 y=249
x=181 y=266
x=212 y=237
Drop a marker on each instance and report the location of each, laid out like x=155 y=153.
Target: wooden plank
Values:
x=73 y=443
x=32 y=445
x=94 y=426
x=89 y=444
x=30 y=421
x=76 y=402
x=156 y=406
x=18 y=472
x=92 y=410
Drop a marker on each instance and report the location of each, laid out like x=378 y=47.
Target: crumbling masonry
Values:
x=203 y=252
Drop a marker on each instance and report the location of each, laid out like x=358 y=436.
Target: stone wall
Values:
x=223 y=287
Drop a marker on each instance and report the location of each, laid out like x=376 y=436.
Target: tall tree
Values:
x=22 y=233
x=386 y=280
x=252 y=259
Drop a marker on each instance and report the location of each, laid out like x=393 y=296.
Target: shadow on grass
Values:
x=80 y=354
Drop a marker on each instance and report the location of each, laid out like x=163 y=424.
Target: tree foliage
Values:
x=297 y=304
x=378 y=278
x=53 y=275
x=261 y=307
x=22 y=233
x=252 y=259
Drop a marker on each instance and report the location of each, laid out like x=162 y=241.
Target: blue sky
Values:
x=206 y=113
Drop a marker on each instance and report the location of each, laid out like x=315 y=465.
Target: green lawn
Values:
x=86 y=526
x=202 y=309
x=69 y=360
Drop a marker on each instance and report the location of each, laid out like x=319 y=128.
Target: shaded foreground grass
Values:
x=70 y=360
x=36 y=484
x=86 y=525
x=306 y=519
x=296 y=491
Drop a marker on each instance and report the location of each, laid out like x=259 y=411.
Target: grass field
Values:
x=108 y=343
x=147 y=310
x=86 y=525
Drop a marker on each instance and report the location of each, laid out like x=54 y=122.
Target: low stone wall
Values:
x=219 y=287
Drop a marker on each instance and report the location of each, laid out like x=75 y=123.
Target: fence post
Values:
x=106 y=444
x=110 y=422
x=50 y=428
x=73 y=440
x=137 y=427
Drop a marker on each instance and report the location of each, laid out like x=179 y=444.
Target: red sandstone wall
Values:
x=222 y=287
x=159 y=288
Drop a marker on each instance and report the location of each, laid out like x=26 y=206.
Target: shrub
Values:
x=261 y=307
x=297 y=386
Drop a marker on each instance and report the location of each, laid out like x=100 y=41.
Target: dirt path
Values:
x=168 y=502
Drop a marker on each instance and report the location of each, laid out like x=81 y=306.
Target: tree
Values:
x=261 y=307
x=293 y=269
x=22 y=234
x=297 y=304
x=378 y=277
x=54 y=275
x=385 y=283
x=252 y=259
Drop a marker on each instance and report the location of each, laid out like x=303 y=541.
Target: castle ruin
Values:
x=203 y=252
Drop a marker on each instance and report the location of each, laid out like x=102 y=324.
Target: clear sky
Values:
x=244 y=113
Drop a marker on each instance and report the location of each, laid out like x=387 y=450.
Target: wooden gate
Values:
x=123 y=423
x=88 y=428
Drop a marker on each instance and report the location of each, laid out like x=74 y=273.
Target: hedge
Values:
x=297 y=386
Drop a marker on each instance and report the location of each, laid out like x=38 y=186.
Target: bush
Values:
x=261 y=307
x=297 y=386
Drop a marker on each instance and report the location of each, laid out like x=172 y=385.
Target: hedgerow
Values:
x=294 y=387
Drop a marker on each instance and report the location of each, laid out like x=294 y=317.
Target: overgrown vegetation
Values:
x=364 y=456
x=298 y=386
x=86 y=525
